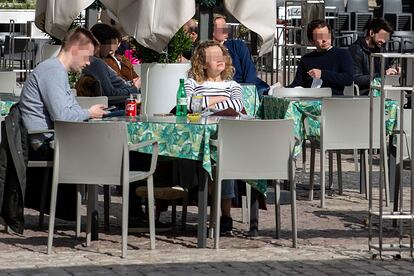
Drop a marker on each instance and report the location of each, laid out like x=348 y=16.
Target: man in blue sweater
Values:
x=327 y=64
x=245 y=69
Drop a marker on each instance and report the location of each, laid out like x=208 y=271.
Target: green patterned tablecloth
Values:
x=5 y=107
x=250 y=99
x=298 y=111
x=187 y=141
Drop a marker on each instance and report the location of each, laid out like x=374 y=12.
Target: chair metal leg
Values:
x=248 y=200
x=90 y=210
x=43 y=193
x=277 y=208
x=217 y=200
x=254 y=215
x=292 y=183
x=78 y=210
x=386 y=176
x=312 y=170
x=213 y=216
x=174 y=213
x=356 y=160
x=244 y=207
x=339 y=168
x=364 y=179
x=107 y=202
x=330 y=169
x=151 y=206
x=53 y=197
x=125 y=203
x=323 y=178
x=184 y=213
x=304 y=156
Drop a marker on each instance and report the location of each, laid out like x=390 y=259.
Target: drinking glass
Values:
x=197 y=104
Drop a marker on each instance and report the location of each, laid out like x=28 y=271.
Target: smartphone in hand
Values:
x=110 y=108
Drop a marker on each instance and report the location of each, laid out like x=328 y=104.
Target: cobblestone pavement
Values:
x=332 y=241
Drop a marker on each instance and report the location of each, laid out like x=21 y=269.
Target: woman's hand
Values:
x=215 y=100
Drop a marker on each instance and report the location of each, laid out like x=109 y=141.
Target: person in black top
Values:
x=378 y=32
x=327 y=66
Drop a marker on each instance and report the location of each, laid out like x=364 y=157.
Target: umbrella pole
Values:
x=205 y=26
x=91 y=17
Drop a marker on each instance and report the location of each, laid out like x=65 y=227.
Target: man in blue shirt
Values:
x=328 y=65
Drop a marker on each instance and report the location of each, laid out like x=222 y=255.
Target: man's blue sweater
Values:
x=335 y=64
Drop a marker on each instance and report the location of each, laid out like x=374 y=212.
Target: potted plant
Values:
x=160 y=73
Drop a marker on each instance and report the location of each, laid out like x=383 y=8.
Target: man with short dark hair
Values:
x=378 y=32
x=46 y=95
x=327 y=66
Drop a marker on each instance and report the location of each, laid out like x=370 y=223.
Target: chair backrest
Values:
x=90 y=153
x=357 y=6
x=7 y=82
x=392 y=6
x=283 y=92
x=86 y=102
x=242 y=154
x=339 y=4
x=345 y=123
x=159 y=86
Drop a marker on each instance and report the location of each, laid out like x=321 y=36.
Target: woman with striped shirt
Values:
x=211 y=76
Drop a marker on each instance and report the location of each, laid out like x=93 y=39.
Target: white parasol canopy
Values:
x=154 y=22
x=55 y=16
x=258 y=16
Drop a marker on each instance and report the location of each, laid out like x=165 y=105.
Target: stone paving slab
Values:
x=331 y=241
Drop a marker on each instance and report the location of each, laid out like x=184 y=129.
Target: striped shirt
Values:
x=230 y=89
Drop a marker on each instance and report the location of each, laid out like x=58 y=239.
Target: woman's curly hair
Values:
x=198 y=60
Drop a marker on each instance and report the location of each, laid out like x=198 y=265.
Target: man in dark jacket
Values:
x=327 y=66
x=377 y=34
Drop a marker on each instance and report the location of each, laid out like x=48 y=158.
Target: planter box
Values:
x=159 y=85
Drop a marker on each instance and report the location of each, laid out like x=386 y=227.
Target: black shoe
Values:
x=226 y=226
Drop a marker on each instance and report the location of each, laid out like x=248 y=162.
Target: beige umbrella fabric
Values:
x=259 y=16
x=55 y=16
x=152 y=22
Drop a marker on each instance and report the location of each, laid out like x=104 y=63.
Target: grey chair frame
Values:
x=76 y=162
x=241 y=156
x=339 y=131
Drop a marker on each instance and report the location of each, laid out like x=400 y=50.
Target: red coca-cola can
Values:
x=131 y=108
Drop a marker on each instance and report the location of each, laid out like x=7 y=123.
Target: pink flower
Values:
x=129 y=54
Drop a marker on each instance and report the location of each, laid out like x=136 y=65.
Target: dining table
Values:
x=180 y=137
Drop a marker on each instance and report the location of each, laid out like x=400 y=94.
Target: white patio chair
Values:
x=98 y=153
x=159 y=84
x=345 y=125
x=7 y=82
x=240 y=155
x=302 y=93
